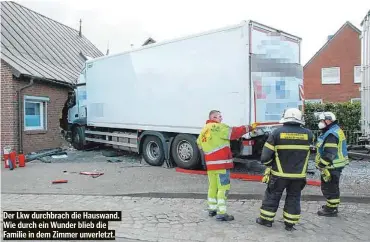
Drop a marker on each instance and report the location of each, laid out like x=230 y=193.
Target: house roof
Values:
x=149 y=41
x=367 y=16
x=37 y=46
x=349 y=24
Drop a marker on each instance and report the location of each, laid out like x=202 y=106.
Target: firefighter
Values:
x=331 y=158
x=285 y=155
x=214 y=142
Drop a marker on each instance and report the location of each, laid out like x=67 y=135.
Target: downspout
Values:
x=20 y=119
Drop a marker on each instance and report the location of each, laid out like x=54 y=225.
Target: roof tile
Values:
x=38 y=46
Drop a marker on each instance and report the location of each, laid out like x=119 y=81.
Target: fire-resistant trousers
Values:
x=218 y=189
x=273 y=193
x=330 y=189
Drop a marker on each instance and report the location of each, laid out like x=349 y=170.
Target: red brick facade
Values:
x=32 y=140
x=343 y=51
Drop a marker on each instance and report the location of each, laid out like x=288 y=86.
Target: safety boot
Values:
x=224 y=217
x=264 y=222
x=327 y=211
x=289 y=226
x=212 y=213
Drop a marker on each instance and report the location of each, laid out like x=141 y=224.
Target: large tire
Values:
x=78 y=138
x=185 y=151
x=153 y=151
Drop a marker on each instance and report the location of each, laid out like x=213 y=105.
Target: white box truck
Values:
x=155 y=99
x=365 y=80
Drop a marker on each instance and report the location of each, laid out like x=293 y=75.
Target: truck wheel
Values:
x=185 y=151
x=78 y=137
x=153 y=151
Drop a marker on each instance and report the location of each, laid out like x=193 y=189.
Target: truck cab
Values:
x=79 y=109
x=75 y=109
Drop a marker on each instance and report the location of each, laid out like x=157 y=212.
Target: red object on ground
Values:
x=13 y=158
x=21 y=160
x=242 y=176
x=314 y=183
x=197 y=172
x=59 y=181
x=6 y=157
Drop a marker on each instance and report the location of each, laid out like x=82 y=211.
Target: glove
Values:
x=325 y=175
x=251 y=127
x=254 y=126
x=266 y=177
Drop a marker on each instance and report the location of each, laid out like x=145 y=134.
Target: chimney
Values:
x=80 y=32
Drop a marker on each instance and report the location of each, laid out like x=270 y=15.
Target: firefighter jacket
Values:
x=287 y=151
x=332 y=148
x=214 y=140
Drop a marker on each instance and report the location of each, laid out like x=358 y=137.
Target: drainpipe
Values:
x=20 y=119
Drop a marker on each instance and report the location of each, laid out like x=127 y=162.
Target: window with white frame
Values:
x=330 y=75
x=356 y=100
x=357 y=74
x=35 y=113
x=313 y=101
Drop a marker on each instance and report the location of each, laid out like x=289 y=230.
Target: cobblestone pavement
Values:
x=154 y=219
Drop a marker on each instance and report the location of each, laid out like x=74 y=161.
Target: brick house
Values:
x=333 y=73
x=40 y=61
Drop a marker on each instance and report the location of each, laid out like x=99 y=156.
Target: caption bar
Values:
x=59 y=225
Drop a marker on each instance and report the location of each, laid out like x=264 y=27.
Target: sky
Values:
x=124 y=24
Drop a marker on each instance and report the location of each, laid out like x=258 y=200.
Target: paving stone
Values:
x=164 y=225
x=162 y=216
x=184 y=219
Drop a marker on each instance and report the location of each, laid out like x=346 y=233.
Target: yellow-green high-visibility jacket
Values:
x=332 y=149
x=214 y=140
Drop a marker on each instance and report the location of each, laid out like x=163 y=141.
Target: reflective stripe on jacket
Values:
x=287 y=151
x=341 y=154
x=214 y=140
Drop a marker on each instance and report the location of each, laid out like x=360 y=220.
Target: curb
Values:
x=242 y=176
x=190 y=195
x=236 y=196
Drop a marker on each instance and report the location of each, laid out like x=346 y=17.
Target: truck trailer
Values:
x=365 y=81
x=155 y=99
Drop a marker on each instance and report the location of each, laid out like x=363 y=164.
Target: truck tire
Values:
x=153 y=151
x=185 y=151
x=78 y=137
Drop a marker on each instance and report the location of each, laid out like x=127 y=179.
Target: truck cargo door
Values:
x=276 y=73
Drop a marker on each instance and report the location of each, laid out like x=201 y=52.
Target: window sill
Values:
x=31 y=132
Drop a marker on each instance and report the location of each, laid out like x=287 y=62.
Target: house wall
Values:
x=32 y=140
x=343 y=51
x=8 y=97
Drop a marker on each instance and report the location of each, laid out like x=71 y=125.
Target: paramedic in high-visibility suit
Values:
x=214 y=142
